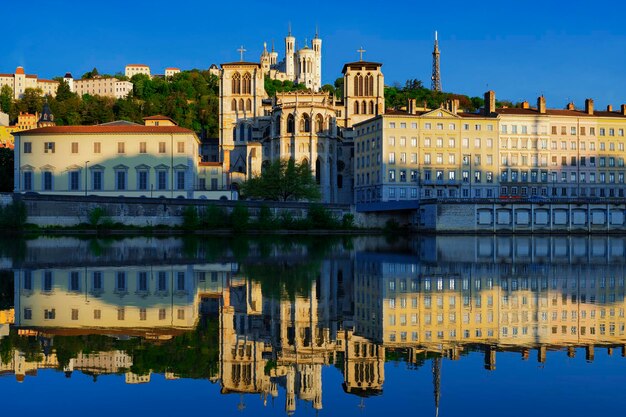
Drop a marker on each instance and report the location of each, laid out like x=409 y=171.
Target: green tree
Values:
x=90 y=74
x=6 y=99
x=339 y=87
x=283 y=180
x=6 y=170
x=31 y=101
x=63 y=91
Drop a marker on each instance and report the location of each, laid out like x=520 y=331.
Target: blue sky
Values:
x=518 y=49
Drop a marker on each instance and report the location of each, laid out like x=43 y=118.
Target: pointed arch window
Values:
x=291 y=124
x=248 y=105
x=364 y=107
x=236 y=87
x=319 y=123
x=241 y=104
x=369 y=85
x=372 y=107
x=234 y=105
x=356 y=107
x=305 y=123
x=247 y=84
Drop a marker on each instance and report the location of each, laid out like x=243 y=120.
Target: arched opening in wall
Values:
x=234 y=133
x=305 y=162
x=319 y=123
x=235 y=186
x=305 y=123
x=291 y=124
x=233 y=105
x=236 y=83
x=318 y=165
x=356 y=107
x=249 y=137
x=241 y=104
x=364 y=107
x=327 y=125
x=371 y=107
x=369 y=85
x=277 y=124
x=242 y=132
x=339 y=181
x=249 y=105
x=247 y=83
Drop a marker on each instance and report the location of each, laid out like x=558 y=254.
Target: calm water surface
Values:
x=452 y=326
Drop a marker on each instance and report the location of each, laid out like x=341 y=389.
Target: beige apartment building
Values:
x=134 y=69
x=505 y=153
x=19 y=81
x=107 y=87
x=423 y=153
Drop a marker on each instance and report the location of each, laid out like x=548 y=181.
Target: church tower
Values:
x=266 y=61
x=46 y=118
x=273 y=57
x=290 y=56
x=317 y=70
x=363 y=91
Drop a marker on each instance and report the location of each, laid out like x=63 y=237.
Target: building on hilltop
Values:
x=302 y=66
x=19 y=81
x=100 y=86
x=134 y=69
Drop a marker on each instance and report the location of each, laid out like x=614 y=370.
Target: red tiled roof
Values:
x=19 y=70
x=210 y=164
x=241 y=63
x=41 y=80
x=6 y=75
x=558 y=112
x=137 y=65
x=158 y=117
x=360 y=63
x=172 y=68
x=31 y=75
x=106 y=129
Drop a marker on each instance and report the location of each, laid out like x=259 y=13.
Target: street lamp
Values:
x=86 y=162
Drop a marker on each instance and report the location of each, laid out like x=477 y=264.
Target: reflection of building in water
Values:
x=288 y=341
x=506 y=293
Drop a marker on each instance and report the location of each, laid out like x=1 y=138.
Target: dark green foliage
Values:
x=320 y=218
x=283 y=180
x=213 y=217
x=6 y=99
x=7 y=291
x=6 y=170
x=98 y=218
x=397 y=96
x=191 y=220
x=276 y=86
x=240 y=218
x=347 y=222
x=13 y=216
x=266 y=220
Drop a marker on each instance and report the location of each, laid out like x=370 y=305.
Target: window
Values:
x=180 y=281
x=96 y=180
x=142 y=147
x=28 y=147
x=414 y=142
x=49 y=314
x=28 y=180
x=120 y=147
x=96 y=147
x=97 y=281
x=28 y=314
x=74 y=180
x=162 y=147
x=162 y=180
x=74 y=147
x=120 y=281
x=392 y=175
x=74 y=314
x=162 y=281
x=48 y=147
x=180 y=147
x=47 y=181
x=142 y=180
x=180 y=180
x=120 y=179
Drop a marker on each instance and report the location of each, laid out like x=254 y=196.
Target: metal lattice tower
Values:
x=436 y=78
x=437 y=382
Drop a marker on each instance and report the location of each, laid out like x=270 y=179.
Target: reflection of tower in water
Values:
x=437 y=382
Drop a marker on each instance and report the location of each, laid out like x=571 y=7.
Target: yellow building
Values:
x=19 y=81
x=170 y=72
x=113 y=159
x=98 y=86
x=134 y=69
x=423 y=153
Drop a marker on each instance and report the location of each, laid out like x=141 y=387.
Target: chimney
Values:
x=623 y=110
x=609 y=108
x=490 y=102
x=411 y=106
x=541 y=105
x=589 y=106
x=525 y=105
x=570 y=106
x=455 y=105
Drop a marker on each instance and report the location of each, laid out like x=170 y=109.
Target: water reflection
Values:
x=267 y=316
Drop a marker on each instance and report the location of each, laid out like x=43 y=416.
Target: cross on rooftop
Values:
x=361 y=51
x=241 y=51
